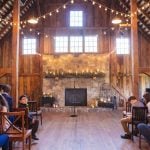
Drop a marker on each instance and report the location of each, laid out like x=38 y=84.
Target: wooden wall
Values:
x=121 y=68
x=29 y=71
x=97 y=21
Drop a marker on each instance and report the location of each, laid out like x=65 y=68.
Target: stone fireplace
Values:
x=56 y=87
x=88 y=71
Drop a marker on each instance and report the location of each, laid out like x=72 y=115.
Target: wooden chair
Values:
x=26 y=110
x=15 y=132
x=128 y=109
x=34 y=111
x=139 y=115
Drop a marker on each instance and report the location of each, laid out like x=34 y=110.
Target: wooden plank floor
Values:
x=87 y=131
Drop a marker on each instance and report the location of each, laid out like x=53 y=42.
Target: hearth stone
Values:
x=78 y=109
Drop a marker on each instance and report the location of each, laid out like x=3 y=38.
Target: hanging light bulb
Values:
x=72 y=1
x=116 y=20
x=64 y=6
x=93 y=3
x=33 y=21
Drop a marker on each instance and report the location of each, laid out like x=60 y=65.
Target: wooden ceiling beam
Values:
x=143 y=5
x=143 y=22
x=127 y=5
x=144 y=13
x=6 y=28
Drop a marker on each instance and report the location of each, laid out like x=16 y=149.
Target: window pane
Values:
x=29 y=46
x=76 y=44
x=76 y=18
x=90 y=43
x=61 y=44
x=122 y=46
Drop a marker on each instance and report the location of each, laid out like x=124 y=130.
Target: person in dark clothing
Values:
x=5 y=92
x=144 y=130
x=4 y=138
x=4 y=141
x=33 y=123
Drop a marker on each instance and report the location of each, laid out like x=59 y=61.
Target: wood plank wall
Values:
x=97 y=22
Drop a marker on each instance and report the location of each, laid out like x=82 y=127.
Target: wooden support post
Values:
x=15 y=50
x=134 y=49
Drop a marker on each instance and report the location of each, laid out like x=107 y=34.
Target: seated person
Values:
x=126 y=120
x=144 y=130
x=4 y=141
x=33 y=123
x=5 y=90
x=128 y=112
x=147 y=101
x=4 y=108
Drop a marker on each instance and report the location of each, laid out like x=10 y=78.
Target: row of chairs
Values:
x=139 y=115
x=15 y=132
x=20 y=132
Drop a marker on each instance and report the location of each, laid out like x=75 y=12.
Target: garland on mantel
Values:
x=73 y=74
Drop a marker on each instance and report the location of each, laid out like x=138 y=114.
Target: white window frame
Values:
x=76 y=44
x=61 y=44
x=122 y=45
x=90 y=44
x=29 y=46
x=76 y=18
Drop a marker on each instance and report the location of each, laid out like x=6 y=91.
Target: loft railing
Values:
x=108 y=91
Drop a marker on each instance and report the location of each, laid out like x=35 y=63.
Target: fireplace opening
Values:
x=75 y=97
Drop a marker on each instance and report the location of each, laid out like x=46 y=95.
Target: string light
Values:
x=72 y=1
x=93 y=3
x=64 y=6
x=23 y=23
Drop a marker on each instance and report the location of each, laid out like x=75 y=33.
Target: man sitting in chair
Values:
x=4 y=138
x=126 y=120
x=4 y=141
x=33 y=123
x=145 y=131
x=143 y=128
